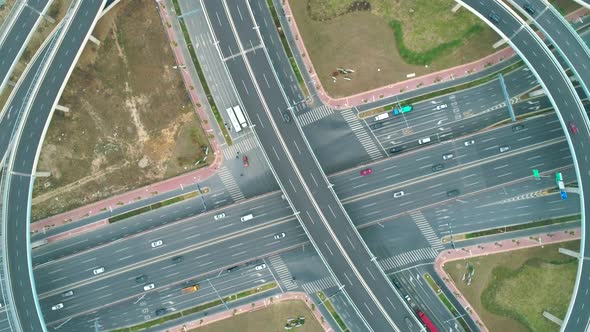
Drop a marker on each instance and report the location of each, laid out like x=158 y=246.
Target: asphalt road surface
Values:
x=22 y=167
x=15 y=38
x=569 y=110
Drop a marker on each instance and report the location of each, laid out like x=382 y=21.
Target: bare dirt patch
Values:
x=511 y=261
x=347 y=34
x=131 y=121
x=5 y=9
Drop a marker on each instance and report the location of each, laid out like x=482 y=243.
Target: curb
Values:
x=259 y=305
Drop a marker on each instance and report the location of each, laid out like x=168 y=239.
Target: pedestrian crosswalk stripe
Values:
x=426 y=229
x=240 y=146
x=362 y=135
x=318 y=285
x=230 y=183
x=283 y=272
x=407 y=258
x=314 y=115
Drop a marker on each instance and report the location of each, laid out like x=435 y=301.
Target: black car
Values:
x=438 y=167
x=141 y=279
x=177 y=259
x=396 y=283
x=495 y=18
x=286 y=117
x=518 y=127
x=453 y=193
x=528 y=8
x=376 y=125
x=396 y=149
x=161 y=311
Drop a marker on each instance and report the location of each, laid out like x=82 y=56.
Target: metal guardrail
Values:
x=57 y=38
x=16 y=9
x=569 y=85
x=5 y=182
x=5 y=292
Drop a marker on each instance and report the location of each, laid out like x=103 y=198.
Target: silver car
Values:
x=67 y=294
x=505 y=148
x=448 y=156
x=398 y=194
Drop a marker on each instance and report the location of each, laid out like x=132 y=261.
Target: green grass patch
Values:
x=205 y=306
x=201 y=75
x=277 y=22
x=474 y=275
x=520 y=227
x=442 y=92
x=333 y=312
x=524 y=294
x=445 y=300
x=154 y=206
x=427 y=57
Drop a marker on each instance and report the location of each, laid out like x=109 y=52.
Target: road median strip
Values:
x=507 y=229
x=461 y=168
x=326 y=302
x=445 y=300
x=444 y=91
x=287 y=48
x=230 y=298
x=201 y=75
x=157 y=205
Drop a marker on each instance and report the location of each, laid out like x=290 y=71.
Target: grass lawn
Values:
x=131 y=121
x=271 y=319
x=510 y=291
x=336 y=35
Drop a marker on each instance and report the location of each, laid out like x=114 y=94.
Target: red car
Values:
x=573 y=128
x=366 y=171
x=245 y=160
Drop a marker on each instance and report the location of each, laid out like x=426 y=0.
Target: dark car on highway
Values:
x=453 y=193
x=396 y=149
x=528 y=8
x=438 y=167
x=396 y=283
x=177 y=259
x=518 y=127
x=495 y=18
x=286 y=117
x=376 y=125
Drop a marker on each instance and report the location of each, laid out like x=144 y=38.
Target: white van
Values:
x=424 y=140
x=247 y=217
x=382 y=116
